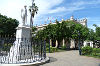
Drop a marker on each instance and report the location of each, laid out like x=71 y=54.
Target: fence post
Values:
x=41 y=50
x=44 y=49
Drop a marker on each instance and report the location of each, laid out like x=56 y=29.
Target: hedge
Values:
x=91 y=51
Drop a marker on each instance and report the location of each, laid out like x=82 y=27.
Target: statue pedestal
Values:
x=22 y=48
x=23 y=31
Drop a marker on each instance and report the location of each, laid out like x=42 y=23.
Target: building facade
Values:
x=82 y=21
x=72 y=42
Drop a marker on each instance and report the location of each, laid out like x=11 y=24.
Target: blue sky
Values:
x=54 y=9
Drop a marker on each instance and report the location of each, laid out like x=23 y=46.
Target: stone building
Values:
x=72 y=42
x=83 y=22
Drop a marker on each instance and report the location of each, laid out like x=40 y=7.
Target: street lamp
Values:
x=79 y=46
x=49 y=43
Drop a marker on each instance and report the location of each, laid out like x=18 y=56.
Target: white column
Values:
x=72 y=44
x=63 y=42
x=84 y=43
x=50 y=42
x=56 y=43
x=91 y=44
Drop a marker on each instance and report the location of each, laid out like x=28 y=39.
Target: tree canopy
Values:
x=97 y=32
x=64 y=30
x=7 y=25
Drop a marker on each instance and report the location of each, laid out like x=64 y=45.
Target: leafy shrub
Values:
x=47 y=44
x=63 y=47
x=96 y=51
x=6 y=47
x=87 y=50
x=52 y=49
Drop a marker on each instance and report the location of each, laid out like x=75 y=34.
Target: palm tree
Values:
x=95 y=25
x=33 y=10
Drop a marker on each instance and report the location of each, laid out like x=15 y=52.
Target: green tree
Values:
x=79 y=32
x=65 y=30
x=97 y=33
x=58 y=32
x=7 y=25
x=91 y=35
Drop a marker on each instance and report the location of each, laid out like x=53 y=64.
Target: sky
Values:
x=50 y=10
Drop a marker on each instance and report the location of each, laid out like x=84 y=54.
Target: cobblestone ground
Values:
x=70 y=58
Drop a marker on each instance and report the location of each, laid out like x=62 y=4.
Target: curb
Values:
x=29 y=64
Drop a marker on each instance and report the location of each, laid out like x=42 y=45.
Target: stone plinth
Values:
x=21 y=48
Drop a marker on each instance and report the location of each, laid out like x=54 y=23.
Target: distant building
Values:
x=72 y=44
x=83 y=22
x=88 y=43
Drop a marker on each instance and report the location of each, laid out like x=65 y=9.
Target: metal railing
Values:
x=34 y=50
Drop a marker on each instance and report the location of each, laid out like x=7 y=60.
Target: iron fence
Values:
x=22 y=49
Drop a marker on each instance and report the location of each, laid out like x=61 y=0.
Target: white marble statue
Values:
x=24 y=15
x=21 y=48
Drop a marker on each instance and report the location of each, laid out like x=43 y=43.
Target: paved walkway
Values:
x=70 y=58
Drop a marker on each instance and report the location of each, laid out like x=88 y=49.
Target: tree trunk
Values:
x=58 y=43
x=67 y=42
x=76 y=44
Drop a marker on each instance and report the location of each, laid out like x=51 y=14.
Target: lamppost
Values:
x=49 y=43
x=33 y=10
x=79 y=46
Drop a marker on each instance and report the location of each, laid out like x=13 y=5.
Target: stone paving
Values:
x=70 y=58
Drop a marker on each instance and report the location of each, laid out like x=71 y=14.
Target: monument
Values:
x=24 y=15
x=23 y=49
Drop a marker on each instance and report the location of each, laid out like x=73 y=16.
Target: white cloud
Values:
x=58 y=9
x=93 y=20
x=12 y=8
x=49 y=4
x=45 y=6
x=85 y=3
x=93 y=2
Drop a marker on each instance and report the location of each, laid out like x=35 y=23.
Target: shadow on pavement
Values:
x=50 y=61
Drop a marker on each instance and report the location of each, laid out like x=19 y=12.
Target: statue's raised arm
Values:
x=24 y=15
